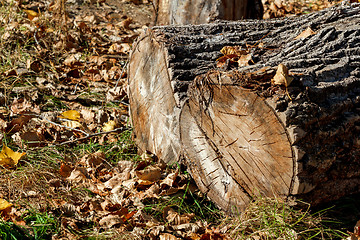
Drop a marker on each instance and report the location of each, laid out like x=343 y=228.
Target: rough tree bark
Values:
x=205 y=11
x=238 y=133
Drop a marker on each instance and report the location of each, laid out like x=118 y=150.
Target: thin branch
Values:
x=122 y=71
x=89 y=136
x=59 y=125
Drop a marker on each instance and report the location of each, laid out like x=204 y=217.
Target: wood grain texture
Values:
x=151 y=96
x=240 y=135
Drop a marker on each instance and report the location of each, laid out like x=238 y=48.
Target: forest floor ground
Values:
x=68 y=166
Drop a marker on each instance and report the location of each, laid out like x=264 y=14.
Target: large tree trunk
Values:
x=205 y=11
x=238 y=133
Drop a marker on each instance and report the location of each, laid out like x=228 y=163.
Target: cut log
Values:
x=240 y=134
x=205 y=11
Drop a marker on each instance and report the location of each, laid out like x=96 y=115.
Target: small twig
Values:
x=37 y=42
x=122 y=71
x=89 y=136
x=75 y=88
x=59 y=125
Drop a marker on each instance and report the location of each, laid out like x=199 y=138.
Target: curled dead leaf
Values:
x=111 y=221
x=168 y=236
x=175 y=218
x=282 y=76
x=151 y=173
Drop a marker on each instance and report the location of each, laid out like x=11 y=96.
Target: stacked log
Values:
x=239 y=131
x=205 y=11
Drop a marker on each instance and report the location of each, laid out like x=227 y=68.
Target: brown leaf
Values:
x=111 y=221
x=109 y=206
x=151 y=173
x=304 y=34
x=77 y=175
x=282 y=76
x=244 y=60
x=32 y=139
x=125 y=24
x=129 y=215
x=175 y=218
x=168 y=236
x=21 y=105
x=93 y=160
x=65 y=170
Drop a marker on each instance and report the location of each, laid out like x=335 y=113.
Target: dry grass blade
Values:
x=271 y=218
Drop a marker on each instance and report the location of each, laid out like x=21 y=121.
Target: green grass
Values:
x=10 y=231
x=270 y=218
x=184 y=202
x=43 y=225
x=40 y=226
x=123 y=149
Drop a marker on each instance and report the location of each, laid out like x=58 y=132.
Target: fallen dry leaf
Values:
x=111 y=221
x=31 y=14
x=168 y=236
x=65 y=170
x=5 y=209
x=17 y=123
x=150 y=173
x=282 y=76
x=175 y=218
x=71 y=115
x=72 y=124
x=9 y=158
x=244 y=60
x=304 y=34
x=233 y=50
x=109 y=126
x=77 y=175
x=4 y=204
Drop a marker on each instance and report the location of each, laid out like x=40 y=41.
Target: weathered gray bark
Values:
x=205 y=11
x=239 y=134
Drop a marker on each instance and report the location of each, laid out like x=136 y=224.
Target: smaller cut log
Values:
x=205 y=11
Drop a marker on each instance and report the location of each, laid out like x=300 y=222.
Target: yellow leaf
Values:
x=4 y=204
x=31 y=14
x=282 y=76
x=304 y=34
x=232 y=50
x=109 y=126
x=9 y=158
x=71 y=115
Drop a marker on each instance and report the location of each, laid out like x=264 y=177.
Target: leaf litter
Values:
x=63 y=87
